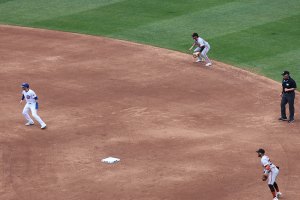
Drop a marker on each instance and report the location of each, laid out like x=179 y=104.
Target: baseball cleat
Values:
x=291 y=121
x=29 y=123
x=275 y=198
x=282 y=119
x=199 y=60
x=44 y=126
x=208 y=64
x=278 y=194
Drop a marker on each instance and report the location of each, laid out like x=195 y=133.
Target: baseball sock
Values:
x=272 y=190
x=276 y=187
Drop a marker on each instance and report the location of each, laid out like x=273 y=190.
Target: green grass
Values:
x=259 y=35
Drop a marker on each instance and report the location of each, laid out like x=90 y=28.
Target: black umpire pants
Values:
x=288 y=98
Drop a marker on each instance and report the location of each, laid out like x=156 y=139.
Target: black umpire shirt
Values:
x=289 y=83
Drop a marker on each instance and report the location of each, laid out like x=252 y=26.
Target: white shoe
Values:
x=275 y=198
x=29 y=123
x=278 y=194
x=43 y=126
x=199 y=60
x=208 y=64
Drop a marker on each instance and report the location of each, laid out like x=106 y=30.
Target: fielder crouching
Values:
x=271 y=172
x=202 y=49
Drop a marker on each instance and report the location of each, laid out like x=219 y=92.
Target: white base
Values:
x=110 y=160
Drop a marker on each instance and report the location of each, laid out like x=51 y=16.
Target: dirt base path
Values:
x=181 y=130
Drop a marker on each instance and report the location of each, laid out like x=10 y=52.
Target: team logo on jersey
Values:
x=27 y=97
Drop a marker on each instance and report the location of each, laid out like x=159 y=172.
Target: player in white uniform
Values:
x=270 y=173
x=201 y=50
x=32 y=104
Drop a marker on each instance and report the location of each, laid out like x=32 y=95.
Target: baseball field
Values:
x=115 y=78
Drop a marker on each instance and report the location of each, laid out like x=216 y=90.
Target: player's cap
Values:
x=25 y=85
x=260 y=151
x=195 y=35
x=285 y=73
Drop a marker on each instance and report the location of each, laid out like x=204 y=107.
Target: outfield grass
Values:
x=259 y=35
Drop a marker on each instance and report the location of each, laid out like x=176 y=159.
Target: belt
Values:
x=289 y=92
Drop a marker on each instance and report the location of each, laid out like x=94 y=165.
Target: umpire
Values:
x=287 y=96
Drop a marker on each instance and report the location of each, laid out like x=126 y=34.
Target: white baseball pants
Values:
x=32 y=107
x=272 y=176
x=204 y=53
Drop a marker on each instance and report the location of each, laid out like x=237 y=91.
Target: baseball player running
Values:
x=201 y=50
x=270 y=173
x=32 y=104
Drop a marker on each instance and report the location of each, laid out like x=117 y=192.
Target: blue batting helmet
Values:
x=25 y=85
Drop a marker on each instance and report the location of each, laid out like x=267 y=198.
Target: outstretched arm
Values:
x=192 y=46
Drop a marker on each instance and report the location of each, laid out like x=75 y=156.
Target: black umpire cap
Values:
x=285 y=73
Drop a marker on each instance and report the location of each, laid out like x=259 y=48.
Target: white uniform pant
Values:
x=204 y=53
x=273 y=175
x=31 y=106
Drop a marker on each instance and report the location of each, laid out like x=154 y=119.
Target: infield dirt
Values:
x=181 y=130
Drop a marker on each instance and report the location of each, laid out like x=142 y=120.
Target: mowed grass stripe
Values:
x=24 y=12
x=249 y=47
x=211 y=22
x=4 y=1
x=125 y=15
x=291 y=61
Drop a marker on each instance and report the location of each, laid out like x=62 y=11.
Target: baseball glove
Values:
x=264 y=177
x=196 y=54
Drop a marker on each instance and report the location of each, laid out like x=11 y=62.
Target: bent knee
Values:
x=35 y=116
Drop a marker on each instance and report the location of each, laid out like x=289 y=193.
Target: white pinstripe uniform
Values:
x=31 y=105
x=272 y=173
